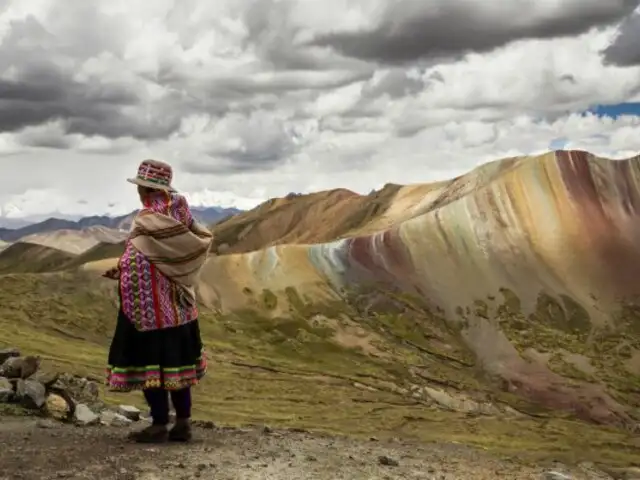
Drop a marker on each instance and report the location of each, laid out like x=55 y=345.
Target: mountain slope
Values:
x=206 y=215
x=310 y=218
x=24 y=257
x=491 y=309
x=532 y=260
x=76 y=241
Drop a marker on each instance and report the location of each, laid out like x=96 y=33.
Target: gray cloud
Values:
x=45 y=139
x=625 y=49
x=39 y=85
x=243 y=143
x=410 y=30
x=40 y=81
x=396 y=83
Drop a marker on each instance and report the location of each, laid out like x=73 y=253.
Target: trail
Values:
x=39 y=449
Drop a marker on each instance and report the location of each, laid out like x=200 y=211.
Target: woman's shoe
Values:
x=181 y=431
x=151 y=434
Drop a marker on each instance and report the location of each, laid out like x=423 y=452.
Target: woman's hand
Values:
x=112 y=273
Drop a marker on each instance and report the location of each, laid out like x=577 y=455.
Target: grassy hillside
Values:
x=331 y=368
x=99 y=252
x=31 y=258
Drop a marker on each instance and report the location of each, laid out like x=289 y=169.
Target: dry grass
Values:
x=31 y=258
x=292 y=372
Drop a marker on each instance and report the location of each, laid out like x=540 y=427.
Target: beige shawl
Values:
x=178 y=251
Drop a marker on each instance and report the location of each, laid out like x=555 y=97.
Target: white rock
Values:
x=84 y=416
x=114 y=419
x=553 y=475
x=132 y=413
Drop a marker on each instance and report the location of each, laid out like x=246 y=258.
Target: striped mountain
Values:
x=532 y=261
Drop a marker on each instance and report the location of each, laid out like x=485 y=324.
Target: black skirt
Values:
x=170 y=358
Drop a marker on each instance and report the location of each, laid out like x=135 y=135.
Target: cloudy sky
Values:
x=251 y=99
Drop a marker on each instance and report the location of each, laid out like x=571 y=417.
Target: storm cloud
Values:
x=409 y=30
x=251 y=99
x=625 y=49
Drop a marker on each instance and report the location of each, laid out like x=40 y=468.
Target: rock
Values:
x=57 y=407
x=84 y=416
x=6 y=395
x=388 y=461
x=113 y=419
x=6 y=383
x=31 y=394
x=45 y=378
x=91 y=389
x=6 y=353
x=6 y=390
x=132 y=413
x=19 y=367
x=553 y=475
x=11 y=367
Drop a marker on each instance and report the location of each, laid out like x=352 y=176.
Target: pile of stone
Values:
x=61 y=396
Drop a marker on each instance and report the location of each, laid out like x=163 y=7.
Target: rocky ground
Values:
x=55 y=426
x=45 y=449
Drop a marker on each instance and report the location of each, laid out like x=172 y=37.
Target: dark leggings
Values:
x=158 y=400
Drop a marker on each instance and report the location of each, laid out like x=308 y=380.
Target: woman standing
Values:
x=156 y=346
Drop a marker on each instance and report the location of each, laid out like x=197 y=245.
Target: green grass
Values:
x=31 y=258
x=292 y=372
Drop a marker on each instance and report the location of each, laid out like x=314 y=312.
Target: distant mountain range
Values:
x=207 y=215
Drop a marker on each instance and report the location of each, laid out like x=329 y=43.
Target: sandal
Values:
x=181 y=432
x=151 y=434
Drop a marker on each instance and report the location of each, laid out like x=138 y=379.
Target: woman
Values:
x=156 y=346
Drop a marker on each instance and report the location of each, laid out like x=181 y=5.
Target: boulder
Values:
x=84 y=416
x=6 y=353
x=46 y=378
x=113 y=419
x=58 y=407
x=132 y=413
x=19 y=367
x=31 y=394
x=6 y=390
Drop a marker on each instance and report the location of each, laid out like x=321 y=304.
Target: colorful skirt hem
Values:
x=171 y=358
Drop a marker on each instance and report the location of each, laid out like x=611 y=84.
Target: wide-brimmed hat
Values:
x=154 y=174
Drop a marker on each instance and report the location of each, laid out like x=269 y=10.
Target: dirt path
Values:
x=41 y=449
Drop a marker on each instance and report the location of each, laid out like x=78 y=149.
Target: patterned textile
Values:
x=171 y=358
x=153 y=296
x=154 y=174
x=153 y=376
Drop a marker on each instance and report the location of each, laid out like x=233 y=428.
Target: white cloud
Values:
x=228 y=94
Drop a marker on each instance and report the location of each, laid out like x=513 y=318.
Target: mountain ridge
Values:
x=496 y=304
x=206 y=215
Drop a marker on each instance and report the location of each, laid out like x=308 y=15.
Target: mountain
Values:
x=206 y=215
x=533 y=262
x=499 y=309
x=76 y=241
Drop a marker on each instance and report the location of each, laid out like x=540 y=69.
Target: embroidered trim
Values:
x=126 y=379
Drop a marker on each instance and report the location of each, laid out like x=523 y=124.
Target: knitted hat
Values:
x=154 y=174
